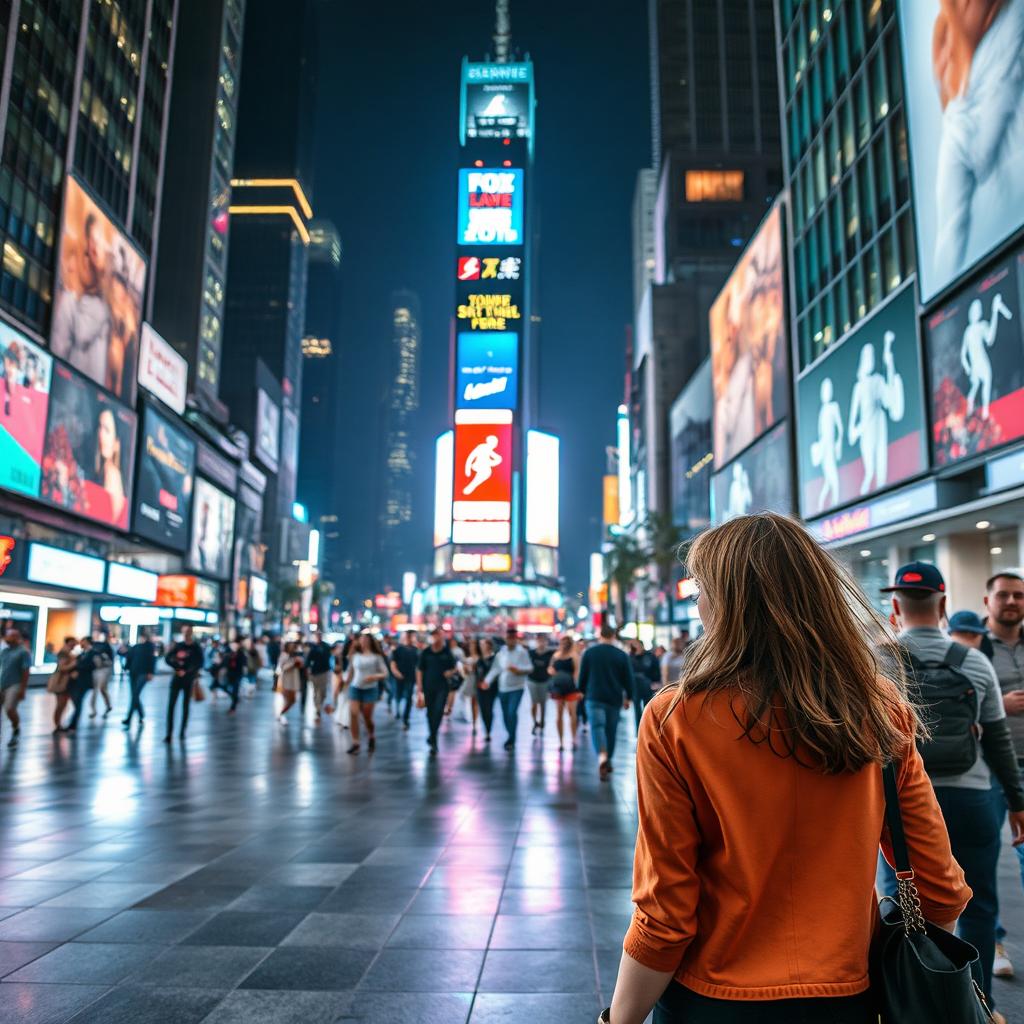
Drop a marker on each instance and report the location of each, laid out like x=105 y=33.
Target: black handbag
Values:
x=920 y=973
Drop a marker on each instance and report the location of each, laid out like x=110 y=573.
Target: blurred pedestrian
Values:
x=606 y=680
x=82 y=682
x=485 y=695
x=141 y=666
x=404 y=659
x=366 y=675
x=437 y=667
x=467 y=672
x=646 y=677
x=15 y=664
x=674 y=658
x=564 y=670
x=289 y=677
x=511 y=666
x=318 y=665
x=186 y=661
x=235 y=662
x=103 y=669
x=538 y=682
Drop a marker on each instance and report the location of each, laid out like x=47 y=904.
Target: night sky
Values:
x=386 y=151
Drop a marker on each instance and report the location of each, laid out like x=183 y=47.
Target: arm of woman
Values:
x=665 y=882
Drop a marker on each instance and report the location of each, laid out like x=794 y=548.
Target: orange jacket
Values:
x=754 y=876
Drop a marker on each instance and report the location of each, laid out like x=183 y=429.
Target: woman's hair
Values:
x=115 y=458
x=566 y=643
x=792 y=635
x=375 y=647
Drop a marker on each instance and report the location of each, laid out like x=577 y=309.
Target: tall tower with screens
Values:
x=496 y=501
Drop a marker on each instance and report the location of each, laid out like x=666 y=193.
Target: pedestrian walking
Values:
x=970 y=741
x=485 y=695
x=254 y=662
x=289 y=677
x=60 y=681
x=366 y=675
x=404 y=659
x=1003 y=644
x=235 y=663
x=606 y=681
x=760 y=789
x=15 y=664
x=674 y=658
x=467 y=672
x=646 y=677
x=103 y=659
x=186 y=660
x=437 y=667
x=318 y=666
x=564 y=670
x=455 y=682
x=538 y=682
x=511 y=666
x=82 y=682
x=339 y=702
x=140 y=662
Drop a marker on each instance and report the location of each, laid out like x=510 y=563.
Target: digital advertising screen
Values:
x=24 y=400
x=487 y=373
x=975 y=350
x=861 y=427
x=444 y=478
x=98 y=295
x=965 y=121
x=213 y=531
x=496 y=269
x=89 y=450
x=482 y=491
x=760 y=480
x=749 y=362
x=268 y=430
x=488 y=311
x=491 y=204
x=162 y=371
x=692 y=461
x=163 y=491
x=497 y=101
x=542 y=479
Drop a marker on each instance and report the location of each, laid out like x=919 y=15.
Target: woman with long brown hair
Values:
x=761 y=798
x=367 y=671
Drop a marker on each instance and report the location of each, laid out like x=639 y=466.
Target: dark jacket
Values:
x=606 y=674
x=318 y=658
x=141 y=659
x=187 y=658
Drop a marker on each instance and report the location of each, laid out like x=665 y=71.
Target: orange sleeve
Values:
x=665 y=883
x=940 y=881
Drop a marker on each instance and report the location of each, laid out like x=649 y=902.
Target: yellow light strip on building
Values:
x=289 y=210
x=292 y=183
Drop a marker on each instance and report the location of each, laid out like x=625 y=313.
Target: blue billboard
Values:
x=490 y=206
x=488 y=370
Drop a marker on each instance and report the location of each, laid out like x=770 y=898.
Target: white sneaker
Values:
x=1002 y=966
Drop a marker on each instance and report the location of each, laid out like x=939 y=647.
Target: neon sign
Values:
x=488 y=312
x=490 y=207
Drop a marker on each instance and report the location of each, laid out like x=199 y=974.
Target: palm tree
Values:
x=623 y=559
x=667 y=548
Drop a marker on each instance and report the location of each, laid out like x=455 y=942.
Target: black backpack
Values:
x=949 y=704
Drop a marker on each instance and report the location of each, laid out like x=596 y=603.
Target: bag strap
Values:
x=909 y=899
x=955 y=655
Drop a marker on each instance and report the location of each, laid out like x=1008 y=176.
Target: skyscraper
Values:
x=188 y=304
x=397 y=542
x=85 y=89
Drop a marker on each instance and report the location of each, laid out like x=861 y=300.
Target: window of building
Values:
x=714 y=186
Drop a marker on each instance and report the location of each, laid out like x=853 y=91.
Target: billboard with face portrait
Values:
x=89 y=450
x=163 y=491
x=760 y=480
x=213 y=531
x=965 y=118
x=975 y=347
x=25 y=371
x=862 y=427
x=98 y=296
x=748 y=345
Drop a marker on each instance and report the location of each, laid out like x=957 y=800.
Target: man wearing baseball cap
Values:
x=967 y=628
x=957 y=762
x=1004 y=645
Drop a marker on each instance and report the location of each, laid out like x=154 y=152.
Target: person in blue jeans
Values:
x=512 y=664
x=606 y=681
x=919 y=603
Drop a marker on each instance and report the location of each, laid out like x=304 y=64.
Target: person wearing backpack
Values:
x=970 y=741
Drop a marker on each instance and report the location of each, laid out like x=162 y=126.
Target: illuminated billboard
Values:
x=488 y=312
x=97 y=298
x=760 y=480
x=487 y=371
x=213 y=531
x=749 y=374
x=162 y=371
x=482 y=491
x=89 y=450
x=862 y=424
x=489 y=268
x=444 y=475
x=542 y=488
x=490 y=206
x=25 y=372
x=497 y=101
x=965 y=115
x=163 y=492
x=975 y=347
x=268 y=430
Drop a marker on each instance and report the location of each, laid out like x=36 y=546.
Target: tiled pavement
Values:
x=260 y=874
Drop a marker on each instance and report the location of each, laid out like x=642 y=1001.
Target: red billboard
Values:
x=482 y=493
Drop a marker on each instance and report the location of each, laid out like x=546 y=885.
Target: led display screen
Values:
x=482 y=492
x=163 y=491
x=89 y=450
x=268 y=430
x=98 y=295
x=490 y=206
x=861 y=427
x=24 y=400
x=213 y=530
x=748 y=345
x=162 y=371
x=487 y=373
x=542 y=478
x=692 y=461
x=497 y=101
x=760 y=480
x=128 y=581
x=444 y=470
x=69 y=569
x=488 y=312
x=975 y=350
x=965 y=114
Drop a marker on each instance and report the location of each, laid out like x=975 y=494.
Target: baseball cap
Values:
x=1012 y=572
x=967 y=622
x=918 y=576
